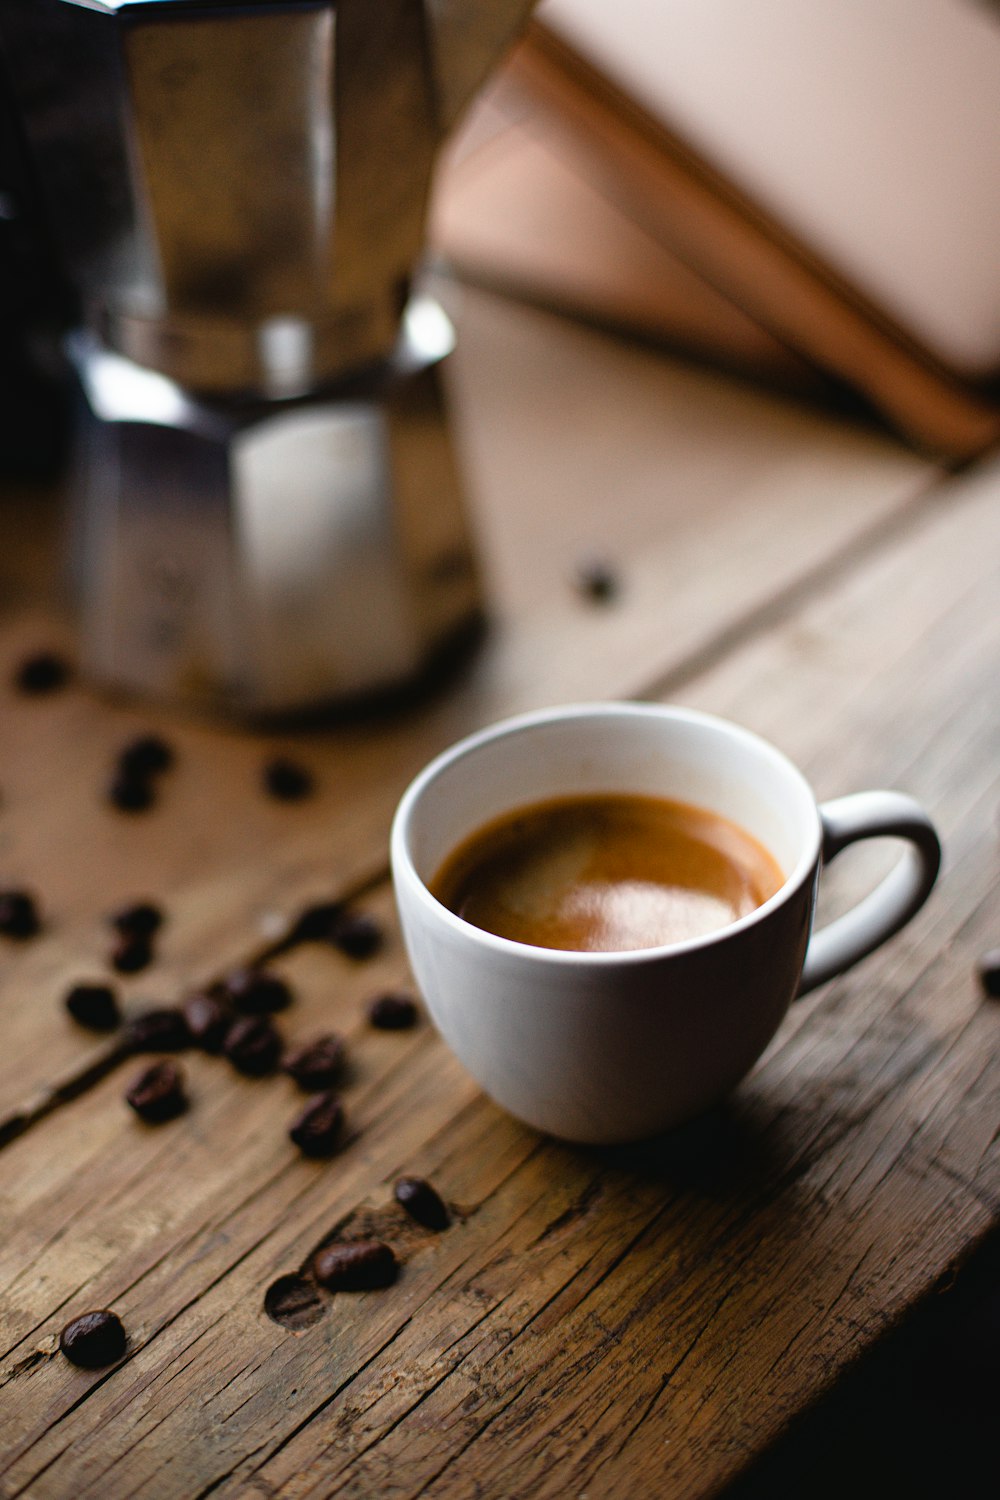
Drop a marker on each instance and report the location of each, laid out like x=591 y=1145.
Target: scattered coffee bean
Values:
x=131 y=793
x=140 y=919
x=392 y=1012
x=256 y=992
x=317 y=923
x=597 y=581
x=131 y=954
x=94 y=1005
x=355 y=1266
x=44 y=672
x=94 y=1339
x=148 y=755
x=422 y=1202
x=18 y=914
x=316 y=1064
x=157 y=1093
x=162 y=1030
x=317 y=1129
x=294 y=1302
x=989 y=973
x=356 y=934
x=208 y=1018
x=253 y=1046
x=287 y=780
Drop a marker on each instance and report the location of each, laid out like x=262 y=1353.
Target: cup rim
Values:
x=403 y=867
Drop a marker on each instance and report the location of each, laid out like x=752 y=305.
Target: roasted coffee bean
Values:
x=157 y=1093
x=162 y=1030
x=18 y=914
x=317 y=923
x=989 y=973
x=317 y=1129
x=392 y=1012
x=208 y=1018
x=422 y=1202
x=355 y=1266
x=44 y=672
x=131 y=793
x=596 y=580
x=315 y=1064
x=356 y=934
x=253 y=1046
x=131 y=954
x=94 y=1339
x=287 y=780
x=94 y=1005
x=149 y=755
x=256 y=992
x=294 y=1302
x=140 y=919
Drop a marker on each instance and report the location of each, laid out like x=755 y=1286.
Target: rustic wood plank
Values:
x=615 y=1319
x=731 y=497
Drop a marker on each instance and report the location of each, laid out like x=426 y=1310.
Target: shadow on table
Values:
x=916 y=1417
x=730 y=1150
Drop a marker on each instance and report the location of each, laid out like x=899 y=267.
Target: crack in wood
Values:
x=24 y=1366
x=15 y=1125
x=578 y=1209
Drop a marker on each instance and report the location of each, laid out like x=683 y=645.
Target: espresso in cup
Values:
x=606 y=873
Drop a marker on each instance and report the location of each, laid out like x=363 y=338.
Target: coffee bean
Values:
x=596 y=580
x=18 y=914
x=208 y=1018
x=253 y=1046
x=422 y=1202
x=287 y=780
x=148 y=755
x=139 y=919
x=157 y=1093
x=256 y=992
x=94 y=1005
x=356 y=934
x=161 y=1030
x=355 y=1266
x=131 y=954
x=317 y=923
x=294 y=1302
x=94 y=1339
x=317 y=1128
x=392 y=1012
x=989 y=973
x=44 y=672
x=315 y=1064
x=130 y=793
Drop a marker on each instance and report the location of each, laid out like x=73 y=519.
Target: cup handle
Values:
x=867 y=815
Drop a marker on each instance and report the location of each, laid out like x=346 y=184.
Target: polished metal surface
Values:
x=467 y=40
x=266 y=558
x=267 y=515
x=239 y=191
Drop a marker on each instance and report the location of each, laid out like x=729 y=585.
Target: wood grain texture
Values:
x=614 y=1322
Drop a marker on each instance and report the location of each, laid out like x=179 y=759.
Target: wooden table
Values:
x=595 y=1322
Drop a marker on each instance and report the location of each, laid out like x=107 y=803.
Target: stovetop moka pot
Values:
x=267 y=510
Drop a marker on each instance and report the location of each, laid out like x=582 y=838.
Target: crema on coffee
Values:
x=608 y=872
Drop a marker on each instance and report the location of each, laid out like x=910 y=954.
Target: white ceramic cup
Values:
x=609 y=1047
